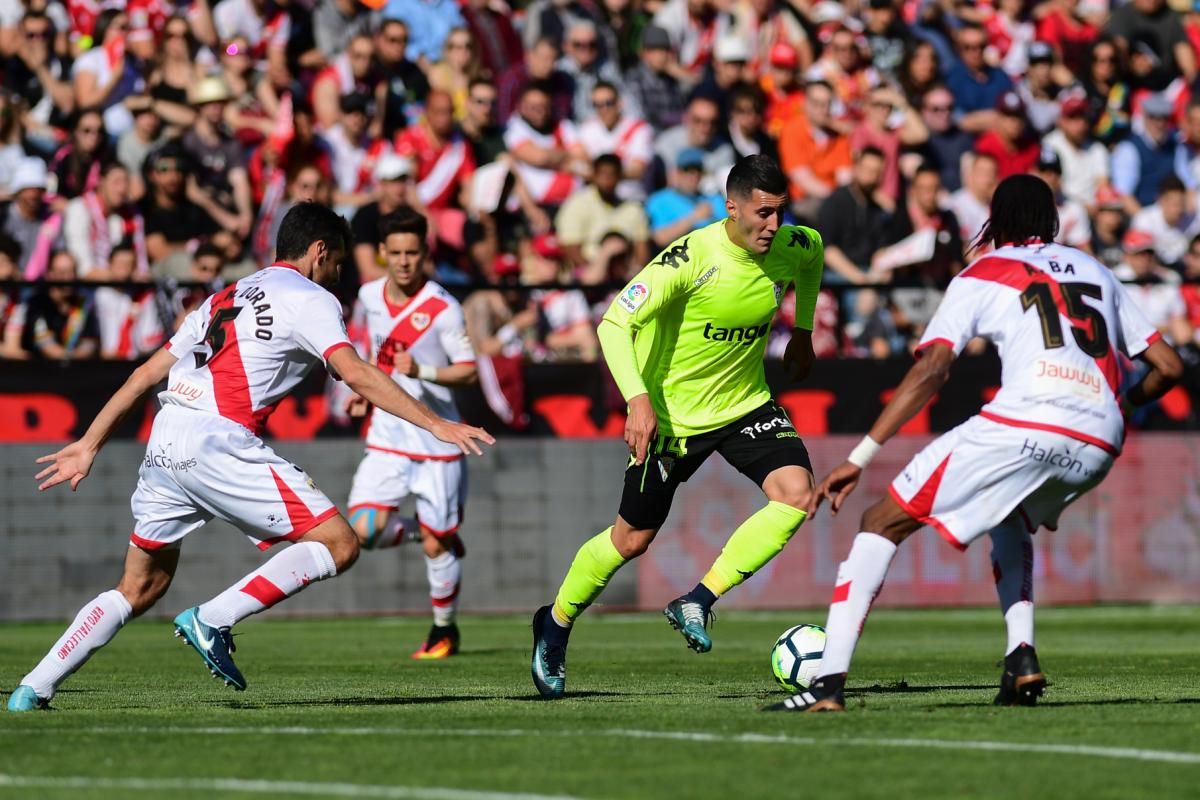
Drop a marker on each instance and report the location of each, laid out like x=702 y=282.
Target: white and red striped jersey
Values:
x=246 y=347
x=1058 y=318
x=431 y=328
x=548 y=186
x=129 y=323
x=631 y=140
x=441 y=169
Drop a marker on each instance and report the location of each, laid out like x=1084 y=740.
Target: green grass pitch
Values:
x=336 y=709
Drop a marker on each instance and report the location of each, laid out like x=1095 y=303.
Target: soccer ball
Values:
x=796 y=657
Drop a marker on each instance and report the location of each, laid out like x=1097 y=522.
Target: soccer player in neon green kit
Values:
x=685 y=342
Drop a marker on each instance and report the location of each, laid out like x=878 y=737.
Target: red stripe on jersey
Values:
x=415 y=456
x=231 y=387
x=945 y=533
x=147 y=544
x=1020 y=276
x=1041 y=426
x=263 y=591
x=1154 y=337
x=408 y=331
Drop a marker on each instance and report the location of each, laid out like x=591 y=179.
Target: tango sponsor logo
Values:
x=1048 y=455
x=186 y=390
x=746 y=336
x=766 y=427
x=89 y=622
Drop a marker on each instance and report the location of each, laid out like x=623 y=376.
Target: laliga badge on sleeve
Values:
x=632 y=298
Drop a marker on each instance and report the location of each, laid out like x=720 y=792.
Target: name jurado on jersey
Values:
x=256 y=297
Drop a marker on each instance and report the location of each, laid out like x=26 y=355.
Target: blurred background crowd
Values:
x=555 y=147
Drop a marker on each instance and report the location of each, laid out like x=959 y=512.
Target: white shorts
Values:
x=199 y=466
x=970 y=479
x=384 y=480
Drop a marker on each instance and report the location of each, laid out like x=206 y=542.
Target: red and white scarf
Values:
x=101 y=238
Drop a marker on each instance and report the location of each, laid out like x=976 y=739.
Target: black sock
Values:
x=829 y=684
x=702 y=595
x=553 y=633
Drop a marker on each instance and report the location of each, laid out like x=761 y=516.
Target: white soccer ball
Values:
x=796 y=657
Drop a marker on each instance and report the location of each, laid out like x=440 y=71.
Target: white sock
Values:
x=393 y=533
x=1012 y=566
x=280 y=578
x=445 y=576
x=93 y=627
x=859 y=579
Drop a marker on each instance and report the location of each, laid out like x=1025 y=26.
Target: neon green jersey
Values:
x=691 y=328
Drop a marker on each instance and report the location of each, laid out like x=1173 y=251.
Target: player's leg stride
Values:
x=756 y=541
x=204 y=461
x=986 y=475
x=418 y=338
x=1022 y=681
x=697 y=301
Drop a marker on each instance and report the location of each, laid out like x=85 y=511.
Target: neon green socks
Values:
x=752 y=545
x=594 y=565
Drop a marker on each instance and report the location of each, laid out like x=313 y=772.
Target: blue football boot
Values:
x=549 y=666
x=213 y=644
x=690 y=618
x=24 y=698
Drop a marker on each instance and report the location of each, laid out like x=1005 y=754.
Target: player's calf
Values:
x=339 y=539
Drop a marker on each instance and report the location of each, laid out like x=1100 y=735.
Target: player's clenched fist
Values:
x=640 y=427
x=462 y=436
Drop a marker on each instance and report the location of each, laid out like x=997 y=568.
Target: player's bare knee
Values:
x=633 y=542
x=143 y=591
x=797 y=496
x=888 y=520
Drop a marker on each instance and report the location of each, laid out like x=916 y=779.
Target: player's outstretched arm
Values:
x=1166 y=370
x=74 y=461
x=921 y=383
x=383 y=392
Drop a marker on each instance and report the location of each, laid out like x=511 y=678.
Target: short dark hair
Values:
x=123 y=246
x=481 y=81
x=749 y=92
x=607 y=160
x=1171 y=183
x=208 y=250
x=869 y=150
x=537 y=86
x=307 y=224
x=927 y=168
x=756 y=172
x=109 y=167
x=404 y=220
x=1023 y=208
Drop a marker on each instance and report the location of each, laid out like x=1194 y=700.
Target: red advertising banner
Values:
x=1135 y=538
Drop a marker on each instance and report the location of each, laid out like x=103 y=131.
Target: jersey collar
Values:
x=285 y=265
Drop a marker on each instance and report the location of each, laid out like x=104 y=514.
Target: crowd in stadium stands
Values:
x=567 y=141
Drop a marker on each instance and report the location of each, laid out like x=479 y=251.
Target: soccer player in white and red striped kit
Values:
x=1058 y=318
x=231 y=362
x=417 y=335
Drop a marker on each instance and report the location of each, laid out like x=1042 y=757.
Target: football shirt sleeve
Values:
x=810 y=267
x=956 y=320
x=191 y=332
x=321 y=329
x=452 y=334
x=1136 y=332
x=664 y=280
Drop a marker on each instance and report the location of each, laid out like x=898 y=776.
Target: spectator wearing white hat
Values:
x=395 y=189
x=221 y=184
x=730 y=67
x=27 y=212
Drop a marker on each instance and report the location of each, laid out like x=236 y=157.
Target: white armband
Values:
x=862 y=454
x=427 y=372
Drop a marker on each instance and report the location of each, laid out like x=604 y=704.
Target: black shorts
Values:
x=755 y=445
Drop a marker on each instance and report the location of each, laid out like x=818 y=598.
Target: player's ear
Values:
x=317 y=253
x=731 y=208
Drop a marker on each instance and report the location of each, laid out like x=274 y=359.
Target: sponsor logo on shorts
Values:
x=186 y=390
x=766 y=427
x=1057 y=458
x=705 y=278
x=273 y=520
x=162 y=459
x=665 y=465
x=787 y=435
x=632 y=298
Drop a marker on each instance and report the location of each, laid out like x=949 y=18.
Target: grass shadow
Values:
x=404 y=700
x=905 y=688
